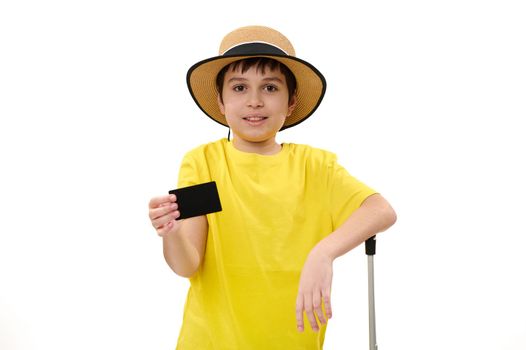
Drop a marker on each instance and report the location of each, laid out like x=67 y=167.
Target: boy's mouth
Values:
x=254 y=118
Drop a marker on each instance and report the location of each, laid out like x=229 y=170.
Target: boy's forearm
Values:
x=373 y=216
x=181 y=255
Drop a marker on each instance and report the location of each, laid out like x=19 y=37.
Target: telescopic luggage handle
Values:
x=370 y=251
x=370 y=246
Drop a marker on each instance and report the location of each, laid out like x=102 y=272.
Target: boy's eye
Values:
x=271 y=88
x=239 y=88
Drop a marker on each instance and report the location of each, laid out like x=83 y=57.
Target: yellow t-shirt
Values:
x=275 y=209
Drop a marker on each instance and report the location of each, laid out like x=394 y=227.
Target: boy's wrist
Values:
x=323 y=250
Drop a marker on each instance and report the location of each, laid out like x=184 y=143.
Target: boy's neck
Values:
x=267 y=147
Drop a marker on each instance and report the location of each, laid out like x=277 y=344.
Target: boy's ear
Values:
x=220 y=104
x=292 y=104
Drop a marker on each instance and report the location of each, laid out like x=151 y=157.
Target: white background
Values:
x=424 y=103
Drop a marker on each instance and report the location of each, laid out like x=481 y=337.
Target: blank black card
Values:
x=197 y=200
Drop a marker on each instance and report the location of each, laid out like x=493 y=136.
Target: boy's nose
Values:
x=254 y=99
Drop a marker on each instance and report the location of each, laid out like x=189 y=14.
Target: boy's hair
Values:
x=261 y=64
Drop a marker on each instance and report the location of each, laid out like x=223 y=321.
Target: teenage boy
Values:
x=264 y=262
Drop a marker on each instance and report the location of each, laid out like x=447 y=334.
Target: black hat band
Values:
x=254 y=49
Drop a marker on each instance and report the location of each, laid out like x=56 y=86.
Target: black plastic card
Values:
x=197 y=200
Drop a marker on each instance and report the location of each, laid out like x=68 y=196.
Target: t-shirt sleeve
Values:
x=346 y=193
x=188 y=172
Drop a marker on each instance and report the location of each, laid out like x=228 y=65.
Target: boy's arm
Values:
x=373 y=216
x=184 y=249
x=184 y=241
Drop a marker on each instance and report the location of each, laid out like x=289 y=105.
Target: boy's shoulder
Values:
x=312 y=152
x=206 y=148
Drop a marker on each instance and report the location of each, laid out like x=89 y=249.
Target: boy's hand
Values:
x=163 y=212
x=314 y=290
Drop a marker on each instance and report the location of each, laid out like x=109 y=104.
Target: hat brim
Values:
x=310 y=83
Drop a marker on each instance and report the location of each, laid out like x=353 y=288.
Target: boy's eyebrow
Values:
x=277 y=79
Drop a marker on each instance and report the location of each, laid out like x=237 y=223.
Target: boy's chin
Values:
x=258 y=135
x=255 y=137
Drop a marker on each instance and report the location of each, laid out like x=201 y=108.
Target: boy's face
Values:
x=255 y=104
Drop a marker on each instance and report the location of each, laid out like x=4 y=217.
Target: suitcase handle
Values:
x=370 y=250
x=370 y=246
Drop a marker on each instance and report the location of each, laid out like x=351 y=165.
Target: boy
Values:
x=263 y=263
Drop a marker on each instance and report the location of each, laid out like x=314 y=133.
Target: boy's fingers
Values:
x=163 y=220
x=165 y=229
x=326 y=295
x=162 y=210
x=316 y=303
x=310 y=313
x=299 y=314
x=157 y=201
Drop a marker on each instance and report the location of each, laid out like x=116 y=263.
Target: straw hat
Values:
x=256 y=41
